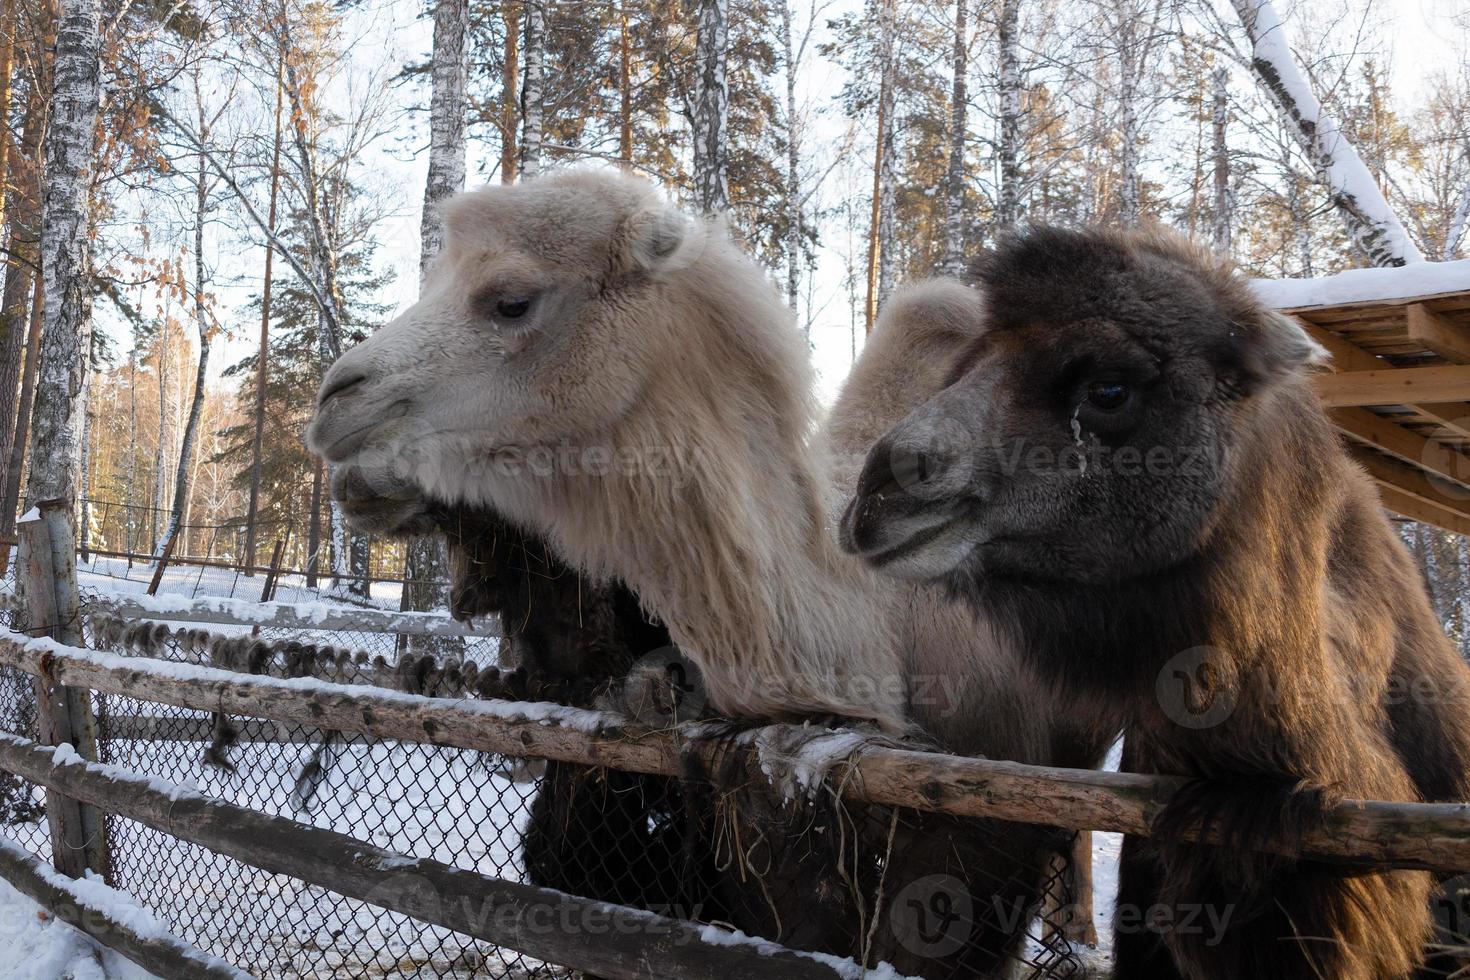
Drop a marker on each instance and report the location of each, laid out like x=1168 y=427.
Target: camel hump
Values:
x=933 y=308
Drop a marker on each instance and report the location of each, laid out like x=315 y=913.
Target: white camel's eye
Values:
x=513 y=308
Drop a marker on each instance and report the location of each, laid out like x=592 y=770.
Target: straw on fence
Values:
x=1361 y=833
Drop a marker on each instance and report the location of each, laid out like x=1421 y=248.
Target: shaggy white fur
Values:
x=649 y=410
x=594 y=365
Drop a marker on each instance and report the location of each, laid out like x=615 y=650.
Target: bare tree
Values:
x=66 y=250
x=954 y=205
x=533 y=94
x=880 y=227
x=1008 y=140
x=252 y=514
x=1224 y=204
x=448 y=104
x=203 y=318
x=712 y=106
x=1370 y=222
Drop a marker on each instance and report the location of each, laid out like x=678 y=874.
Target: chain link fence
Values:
x=815 y=876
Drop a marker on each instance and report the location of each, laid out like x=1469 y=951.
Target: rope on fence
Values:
x=608 y=940
x=78 y=904
x=1358 y=833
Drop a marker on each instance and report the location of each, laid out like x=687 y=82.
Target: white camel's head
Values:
x=539 y=326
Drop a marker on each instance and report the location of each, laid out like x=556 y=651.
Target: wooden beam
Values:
x=1414 y=509
x=596 y=937
x=1394 y=386
x=1361 y=834
x=1414 y=482
x=160 y=954
x=51 y=607
x=1439 y=334
x=1410 y=447
x=1347 y=356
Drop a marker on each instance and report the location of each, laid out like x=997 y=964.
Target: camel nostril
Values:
x=335 y=387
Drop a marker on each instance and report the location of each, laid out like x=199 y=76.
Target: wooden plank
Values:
x=51 y=608
x=160 y=954
x=286 y=615
x=1347 y=356
x=1394 y=386
x=1377 y=834
x=1438 y=333
x=596 y=937
x=1410 y=447
x=1415 y=509
x=1414 y=483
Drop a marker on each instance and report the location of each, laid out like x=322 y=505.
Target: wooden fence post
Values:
x=47 y=576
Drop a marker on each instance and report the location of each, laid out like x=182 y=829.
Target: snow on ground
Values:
x=34 y=945
x=1106 y=849
x=1365 y=285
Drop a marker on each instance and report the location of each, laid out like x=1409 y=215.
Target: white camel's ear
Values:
x=658 y=238
x=1285 y=345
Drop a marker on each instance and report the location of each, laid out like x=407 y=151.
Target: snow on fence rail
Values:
x=109 y=917
x=610 y=940
x=323 y=616
x=1379 y=834
x=285 y=615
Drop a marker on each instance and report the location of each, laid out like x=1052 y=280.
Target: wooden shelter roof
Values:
x=1399 y=388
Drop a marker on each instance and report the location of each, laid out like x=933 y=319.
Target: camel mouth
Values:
x=334 y=446
x=906 y=539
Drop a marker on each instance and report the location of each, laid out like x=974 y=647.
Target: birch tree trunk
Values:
x=793 y=166
x=66 y=256
x=84 y=491
x=954 y=204
x=711 y=109
x=533 y=94
x=510 y=99
x=1370 y=222
x=1008 y=142
x=1224 y=204
x=878 y=262
x=424 y=564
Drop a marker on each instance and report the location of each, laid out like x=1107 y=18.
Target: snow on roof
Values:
x=1366 y=285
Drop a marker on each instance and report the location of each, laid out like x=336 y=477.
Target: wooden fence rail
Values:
x=78 y=906
x=1358 y=833
x=607 y=940
x=287 y=615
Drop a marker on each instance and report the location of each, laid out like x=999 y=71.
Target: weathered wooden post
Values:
x=47 y=578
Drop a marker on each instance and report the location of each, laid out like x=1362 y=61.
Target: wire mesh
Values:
x=810 y=875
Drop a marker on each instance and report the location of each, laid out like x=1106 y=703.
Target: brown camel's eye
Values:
x=514 y=308
x=1109 y=396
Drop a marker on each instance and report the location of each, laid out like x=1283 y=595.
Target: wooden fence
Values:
x=636 y=943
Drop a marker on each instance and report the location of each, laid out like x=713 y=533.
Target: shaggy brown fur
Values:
x=1242 y=601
